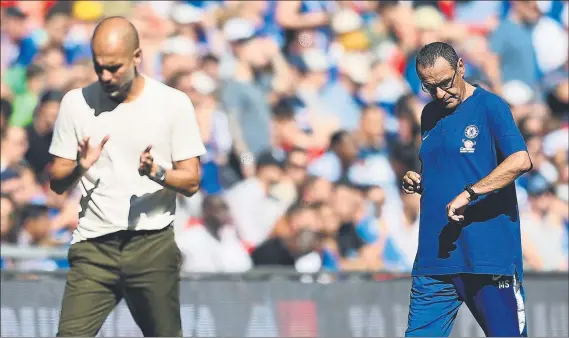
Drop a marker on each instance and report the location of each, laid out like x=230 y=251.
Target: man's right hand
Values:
x=89 y=155
x=412 y=183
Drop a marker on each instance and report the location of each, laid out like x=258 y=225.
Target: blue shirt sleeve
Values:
x=503 y=128
x=28 y=50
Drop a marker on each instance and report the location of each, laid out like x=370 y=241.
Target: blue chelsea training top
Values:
x=459 y=149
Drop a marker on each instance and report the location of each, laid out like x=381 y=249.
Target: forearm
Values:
x=505 y=174
x=183 y=181
x=62 y=178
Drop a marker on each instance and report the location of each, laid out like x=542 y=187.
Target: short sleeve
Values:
x=186 y=138
x=503 y=128
x=64 y=140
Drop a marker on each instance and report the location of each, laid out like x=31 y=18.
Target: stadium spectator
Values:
x=339 y=160
x=17 y=178
x=293 y=247
x=402 y=241
x=315 y=189
x=517 y=61
x=8 y=226
x=40 y=132
x=17 y=45
x=213 y=246
x=27 y=90
x=254 y=209
x=295 y=167
x=178 y=54
x=312 y=111
x=543 y=228
x=214 y=129
x=5 y=113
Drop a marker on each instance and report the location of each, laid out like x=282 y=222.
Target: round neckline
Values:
x=135 y=101
x=141 y=94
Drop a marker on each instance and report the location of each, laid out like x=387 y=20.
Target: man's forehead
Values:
x=440 y=69
x=109 y=59
x=110 y=51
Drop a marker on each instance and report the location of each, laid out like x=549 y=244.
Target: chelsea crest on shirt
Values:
x=468 y=144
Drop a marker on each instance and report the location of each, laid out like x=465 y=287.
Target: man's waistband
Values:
x=127 y=234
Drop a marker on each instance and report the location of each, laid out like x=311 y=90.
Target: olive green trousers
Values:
x=143 y=267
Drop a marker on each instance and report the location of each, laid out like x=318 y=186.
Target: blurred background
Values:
x=310 y=114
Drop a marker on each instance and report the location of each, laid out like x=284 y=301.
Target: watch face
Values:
x=160 y=174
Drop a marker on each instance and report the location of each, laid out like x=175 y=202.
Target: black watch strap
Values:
x=473 y=195
x=160 y=175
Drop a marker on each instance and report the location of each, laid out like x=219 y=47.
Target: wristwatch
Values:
x=473 y=195
x=159 y=176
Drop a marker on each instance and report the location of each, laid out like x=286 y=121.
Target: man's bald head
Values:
x=116 y=56
x=115 y=32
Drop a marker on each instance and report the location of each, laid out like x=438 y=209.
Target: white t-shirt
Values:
x=114 y=196
x=254 y=213
x=204 y=253
x=547 y=237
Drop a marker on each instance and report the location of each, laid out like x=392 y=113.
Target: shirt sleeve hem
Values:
x=188 y=156
x=63 y=154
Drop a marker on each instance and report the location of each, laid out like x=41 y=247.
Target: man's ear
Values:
x=137 y=56
x=460 y=67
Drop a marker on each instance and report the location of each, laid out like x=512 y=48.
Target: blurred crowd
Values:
x=310 y=114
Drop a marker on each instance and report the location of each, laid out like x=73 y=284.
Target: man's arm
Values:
x=64 y=174
x=183 y=178
x=505 y=174
x=187 y=147
x=71 y=159
x=509 y=143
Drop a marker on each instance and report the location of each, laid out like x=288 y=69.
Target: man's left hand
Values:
x=455 y=209
x=147 y=167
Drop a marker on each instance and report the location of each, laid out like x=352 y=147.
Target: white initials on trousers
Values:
x=503 y=284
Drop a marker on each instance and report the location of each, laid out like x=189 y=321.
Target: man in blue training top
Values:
x=469 y=238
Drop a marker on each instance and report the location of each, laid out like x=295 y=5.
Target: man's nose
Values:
x=106 y=76
x=439 y=93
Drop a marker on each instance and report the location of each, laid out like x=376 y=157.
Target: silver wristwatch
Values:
x=160 y=175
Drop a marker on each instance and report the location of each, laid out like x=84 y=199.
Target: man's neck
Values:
x=136 y=89
x=468 y=92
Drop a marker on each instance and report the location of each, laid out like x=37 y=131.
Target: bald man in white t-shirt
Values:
x=131 y=143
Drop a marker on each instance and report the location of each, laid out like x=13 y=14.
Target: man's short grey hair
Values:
x=429 y=54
